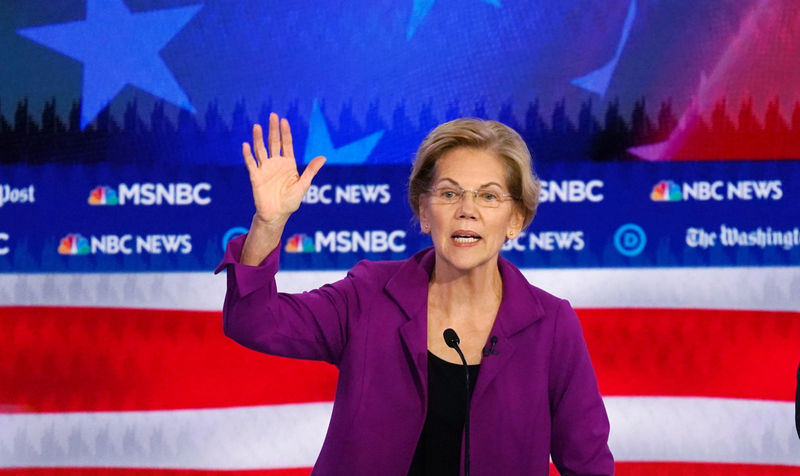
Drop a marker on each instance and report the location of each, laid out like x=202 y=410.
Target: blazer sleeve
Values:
x=579 y=437
x=313 y=325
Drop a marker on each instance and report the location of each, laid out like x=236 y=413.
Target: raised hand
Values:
x=277 y=187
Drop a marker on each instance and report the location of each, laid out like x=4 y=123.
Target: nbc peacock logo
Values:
x=666 y=191
x=73 y=244
x=102 y=195
x=300 y=243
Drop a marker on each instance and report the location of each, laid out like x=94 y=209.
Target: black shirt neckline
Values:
x=436 y=357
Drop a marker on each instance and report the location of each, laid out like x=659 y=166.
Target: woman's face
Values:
x=468 y=234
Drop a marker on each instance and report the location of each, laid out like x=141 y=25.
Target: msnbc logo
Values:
x=103 y=196
x=73 y=244
x=666 y=191
x=300 y=243
x=148 y=194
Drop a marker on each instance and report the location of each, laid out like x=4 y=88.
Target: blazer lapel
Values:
x=409 y=289
x=519 y=309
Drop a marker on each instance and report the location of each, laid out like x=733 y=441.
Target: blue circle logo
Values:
x=630 y=239
x=231 y=234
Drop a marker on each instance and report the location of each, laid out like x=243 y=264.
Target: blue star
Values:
x=421 y=9
x=117 y=48
x=319 y=143
x=598 y=80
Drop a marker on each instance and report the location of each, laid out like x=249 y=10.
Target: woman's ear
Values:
x=424 y=223
x=515 y=224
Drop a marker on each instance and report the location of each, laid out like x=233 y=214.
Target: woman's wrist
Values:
x=268 y=224
x=263 y=237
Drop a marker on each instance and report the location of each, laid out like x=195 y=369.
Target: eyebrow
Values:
x=459 y=185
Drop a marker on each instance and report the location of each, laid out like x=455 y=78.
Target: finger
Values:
x=249 y=160
x=274 y=137
x=258 y=144
x=311 y=171
x=286 y=139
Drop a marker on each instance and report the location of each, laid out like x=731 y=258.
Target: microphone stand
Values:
x=452 y=340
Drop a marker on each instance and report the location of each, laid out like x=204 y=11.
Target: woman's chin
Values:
x=463 y=260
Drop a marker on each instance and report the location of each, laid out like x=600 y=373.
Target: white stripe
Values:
x=745 y=288
x=279 y=436
x=755 y=288
x=712 y=430
x=655 y=429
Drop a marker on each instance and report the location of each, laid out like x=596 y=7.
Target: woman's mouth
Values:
x=463 y=237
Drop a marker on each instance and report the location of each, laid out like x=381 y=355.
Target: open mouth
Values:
x=465 y=237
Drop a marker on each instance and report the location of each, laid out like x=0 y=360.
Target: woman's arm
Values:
x=310 y=325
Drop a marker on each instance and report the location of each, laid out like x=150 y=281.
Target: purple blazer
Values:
x=536 y=397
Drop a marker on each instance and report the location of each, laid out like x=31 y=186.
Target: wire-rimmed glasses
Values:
x=484 y=197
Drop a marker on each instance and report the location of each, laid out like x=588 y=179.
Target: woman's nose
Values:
x=466 y=206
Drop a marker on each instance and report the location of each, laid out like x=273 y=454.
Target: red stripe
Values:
x=75 y=359
x=690 y=352
x=702 y=469
x=151 y=472
x=622 y=469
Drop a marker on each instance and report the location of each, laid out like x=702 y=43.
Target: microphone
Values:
x=452 y=341
x=490 y=350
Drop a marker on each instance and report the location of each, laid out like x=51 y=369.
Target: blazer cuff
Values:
x=248 y=279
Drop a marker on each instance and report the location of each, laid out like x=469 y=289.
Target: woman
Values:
x=398 y=408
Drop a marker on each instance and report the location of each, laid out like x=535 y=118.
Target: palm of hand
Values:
x=278 y=190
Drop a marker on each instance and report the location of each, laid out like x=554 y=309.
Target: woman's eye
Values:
x=489 y=196
x=448 y=194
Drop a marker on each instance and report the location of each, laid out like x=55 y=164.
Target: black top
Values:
x=439 y=449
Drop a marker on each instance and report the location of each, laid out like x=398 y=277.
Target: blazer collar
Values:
x=519 y=307
x=409 y=285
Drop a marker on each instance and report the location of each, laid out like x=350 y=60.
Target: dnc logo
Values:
x=73 y=244
x=300 y=243
x=103 y=196
x=666 y=191
x=630 y=240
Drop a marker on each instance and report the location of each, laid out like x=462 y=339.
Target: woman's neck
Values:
x=459 y=296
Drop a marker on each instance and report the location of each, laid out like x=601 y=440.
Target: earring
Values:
x=425 y=227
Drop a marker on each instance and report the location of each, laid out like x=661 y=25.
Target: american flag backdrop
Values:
x=697 y=371
x=667 y=136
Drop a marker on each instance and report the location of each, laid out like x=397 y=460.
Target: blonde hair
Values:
x=490 y=136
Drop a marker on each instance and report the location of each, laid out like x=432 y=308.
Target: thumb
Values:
x=311 y=171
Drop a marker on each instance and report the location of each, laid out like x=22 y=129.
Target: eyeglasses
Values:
x=484 y=197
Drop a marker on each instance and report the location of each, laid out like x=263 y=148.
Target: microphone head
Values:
x=451 y=338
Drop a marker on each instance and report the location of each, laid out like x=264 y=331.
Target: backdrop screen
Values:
x=666 y=135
